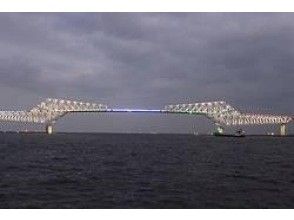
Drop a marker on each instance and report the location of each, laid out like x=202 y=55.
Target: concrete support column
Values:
x=283 y=130
x=219 y=129
x=49 y=129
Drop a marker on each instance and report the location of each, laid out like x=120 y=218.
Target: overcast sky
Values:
x=147 y=60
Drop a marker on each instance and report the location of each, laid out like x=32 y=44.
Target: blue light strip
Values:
x=134 y=110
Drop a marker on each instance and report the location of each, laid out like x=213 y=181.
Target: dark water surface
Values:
x=145 y=171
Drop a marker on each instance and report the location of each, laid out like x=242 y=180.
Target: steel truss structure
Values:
x=224 y=114
x=50 y=110
x=220 y=112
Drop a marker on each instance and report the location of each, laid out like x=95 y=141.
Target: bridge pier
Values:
x=219 y=129
x=49 y=129
x=283 y=129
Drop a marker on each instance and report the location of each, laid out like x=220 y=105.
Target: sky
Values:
x=147 y=60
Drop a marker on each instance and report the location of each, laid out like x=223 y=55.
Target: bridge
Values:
x=219 y=112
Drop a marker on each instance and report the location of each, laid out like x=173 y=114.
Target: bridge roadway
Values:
x=126 y=110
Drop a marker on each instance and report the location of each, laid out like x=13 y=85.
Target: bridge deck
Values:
x=118 y=110
x=125 y=110
x=136 y=110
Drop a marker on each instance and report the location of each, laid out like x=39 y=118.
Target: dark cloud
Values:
x=149 y=59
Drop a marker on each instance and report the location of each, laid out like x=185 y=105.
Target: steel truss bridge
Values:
x=220 y=112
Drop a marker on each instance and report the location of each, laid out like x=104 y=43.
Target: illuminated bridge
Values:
x=221 y=113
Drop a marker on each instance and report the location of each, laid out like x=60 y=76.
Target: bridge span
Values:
x=221 y=113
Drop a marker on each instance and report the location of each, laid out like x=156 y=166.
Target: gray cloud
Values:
x=148 y=60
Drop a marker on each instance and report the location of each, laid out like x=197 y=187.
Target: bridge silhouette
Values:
x=219 y=112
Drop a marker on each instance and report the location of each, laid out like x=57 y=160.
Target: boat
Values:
x=239 y=133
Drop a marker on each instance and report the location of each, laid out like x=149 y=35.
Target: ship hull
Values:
x=228 y=135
